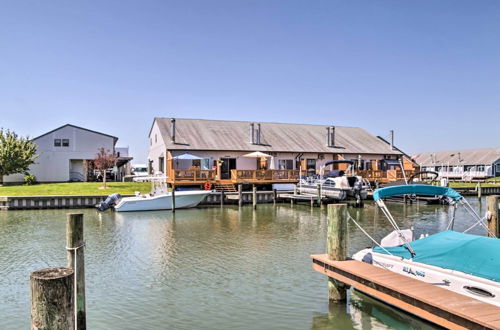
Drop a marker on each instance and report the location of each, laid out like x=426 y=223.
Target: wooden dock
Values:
x=435 y=304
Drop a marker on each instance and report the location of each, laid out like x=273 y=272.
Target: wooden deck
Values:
x=435 y=304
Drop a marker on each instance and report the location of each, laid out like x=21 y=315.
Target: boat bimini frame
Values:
x=427 y=190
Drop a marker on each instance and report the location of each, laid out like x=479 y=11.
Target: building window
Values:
x=57 y=142
x=285 y=164
x=65 y=142
x=480 y=168
x=156 y=138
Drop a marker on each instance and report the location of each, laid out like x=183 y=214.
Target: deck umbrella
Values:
x=256 y=154
x=187 y=156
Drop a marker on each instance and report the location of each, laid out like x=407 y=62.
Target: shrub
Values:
x=30 y=179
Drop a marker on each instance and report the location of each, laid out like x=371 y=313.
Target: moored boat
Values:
x=464 y=263
x=163 y=201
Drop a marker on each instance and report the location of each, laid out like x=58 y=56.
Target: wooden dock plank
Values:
x=434 y=303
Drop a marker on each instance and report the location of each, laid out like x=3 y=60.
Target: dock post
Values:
x=75 y=257
x=222 y=198
x=254 y=196
x=240 y=195
x=336 y=246
x=479 y=190
x=319 y=195
x=173 y=199
x=492 y=207
x=52 y=299
x=275 y=196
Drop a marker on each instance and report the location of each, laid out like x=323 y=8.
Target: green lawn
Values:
x=76 y=188
x=472 y=184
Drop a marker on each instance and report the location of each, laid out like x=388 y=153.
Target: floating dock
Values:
x=432 y=303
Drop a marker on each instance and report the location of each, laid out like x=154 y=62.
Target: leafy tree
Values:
x=104 y=160
x=16 y=153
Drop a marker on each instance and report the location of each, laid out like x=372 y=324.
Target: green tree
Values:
x=103 y=161
x=16 y=153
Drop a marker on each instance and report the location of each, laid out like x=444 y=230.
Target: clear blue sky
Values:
x=430 y=70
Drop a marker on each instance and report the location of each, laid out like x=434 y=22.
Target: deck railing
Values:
x=389 y=175
x=264 y=175
x=192 y=175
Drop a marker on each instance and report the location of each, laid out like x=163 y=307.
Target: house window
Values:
x=65 y=142
x=57 y=142
x=161 y=164
x=285 y=164
x=156 y=138
x=480 y=168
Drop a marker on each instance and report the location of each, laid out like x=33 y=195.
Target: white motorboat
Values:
x=464 y=263
x=159 y=198
x=162 y=201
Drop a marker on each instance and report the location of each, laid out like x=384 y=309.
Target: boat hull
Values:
x=183 y=199
x=469 y=285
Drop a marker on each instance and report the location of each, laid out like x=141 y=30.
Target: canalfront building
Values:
x=462 y=164
x=219 y=152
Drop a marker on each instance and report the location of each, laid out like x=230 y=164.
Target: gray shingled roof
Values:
x=468 y=157
x=200 y=134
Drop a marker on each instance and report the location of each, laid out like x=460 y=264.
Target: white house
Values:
x=462 y=164
x=66 y=153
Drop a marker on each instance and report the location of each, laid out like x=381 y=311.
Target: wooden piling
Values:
x=75 y=256
x=173 y=199
x=479 y=190
x=240 y=195
x=254 y=196
x=319 y=195
x=52 y=300
x=336 y=246
x=222 y=198
x=295 y=190
x=492 y=207
x=275 y=196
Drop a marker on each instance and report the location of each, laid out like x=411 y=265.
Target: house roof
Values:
x=201 y=134
x=486 y=156
x=85 y=129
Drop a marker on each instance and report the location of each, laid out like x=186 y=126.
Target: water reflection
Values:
x=214 y=268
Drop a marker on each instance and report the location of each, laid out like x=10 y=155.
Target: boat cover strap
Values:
x=416 y=189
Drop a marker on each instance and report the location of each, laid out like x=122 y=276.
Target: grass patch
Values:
x=472 y=184
x=76 y=188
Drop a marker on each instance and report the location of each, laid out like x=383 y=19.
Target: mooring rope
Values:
x=75 y=281
x=367 y=235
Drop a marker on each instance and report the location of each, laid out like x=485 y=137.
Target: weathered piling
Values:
x=492 y=207
x=319 y=195
x=52 y=300
x=240 y=195
x=254 y=197
x=275 y=196
x=479 y=190
x=336 y=246
x=222 y=198
x=173 y=199
x=75 y=257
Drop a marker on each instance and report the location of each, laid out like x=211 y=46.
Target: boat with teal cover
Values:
x=469 y=254
x=460 y=262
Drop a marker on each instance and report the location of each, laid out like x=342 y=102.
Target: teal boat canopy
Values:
x=470 y=254
x=416 y=189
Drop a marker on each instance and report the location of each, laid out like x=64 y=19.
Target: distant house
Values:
x=462 y=164
x=222 y=146
x=66 y=154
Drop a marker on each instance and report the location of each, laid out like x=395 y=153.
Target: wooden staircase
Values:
x=228 y=187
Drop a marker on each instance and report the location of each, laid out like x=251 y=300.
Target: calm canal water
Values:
x=207 y=268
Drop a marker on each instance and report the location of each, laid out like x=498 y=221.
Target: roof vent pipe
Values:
x=172 y=129
x=332 y=136
x=259 y=133
x=252 y=133
x=392 y=140
x=328 y=142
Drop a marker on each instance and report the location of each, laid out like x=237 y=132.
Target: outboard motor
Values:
x=110 y=201
x=357 y=193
